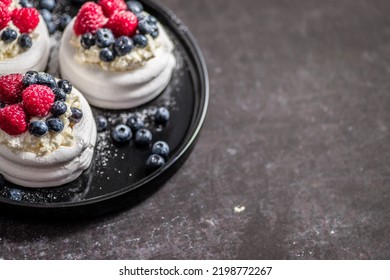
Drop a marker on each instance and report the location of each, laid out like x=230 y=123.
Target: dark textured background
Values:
x=296 y=139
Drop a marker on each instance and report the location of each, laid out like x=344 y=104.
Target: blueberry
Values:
x=2 y=180
x=51 y=27
x=101 y=123
x=104 y=38
x=65 y=19
x=47 y=4
x=161 y=148
x=58 y=108
x=140 y=40
x=25 y=41
x=155 y=33
x=76 y=116
x=47 y=80
x=65 y=85
x=106 y=55
x=143 y=137
x=87 y=40
x=9 y=35
x=135 y=123
x=59 y=94
x=38 y=128
x=140 y=16
x=30 y=78
x=46 y=15
x=154 y=162
x=145 y=27
x=135 y=6
x=162 y=115
x=55 y=124
x=123 y=45
x=121 y=133
x=15 y=194
x=26 y=4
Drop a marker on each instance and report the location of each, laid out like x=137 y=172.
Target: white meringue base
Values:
x=61 y=166
x=118 y=90
x=34 y=58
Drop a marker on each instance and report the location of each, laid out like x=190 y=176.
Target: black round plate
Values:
x=117 y=177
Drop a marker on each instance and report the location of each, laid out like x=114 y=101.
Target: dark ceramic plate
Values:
x=117 y=177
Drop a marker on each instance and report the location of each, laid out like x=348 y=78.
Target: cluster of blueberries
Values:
x=111 y=47
x=53 y=21
x=60 y=90
x=135 y=128
x=9 y=35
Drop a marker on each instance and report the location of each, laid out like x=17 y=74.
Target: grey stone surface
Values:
x=293 y=160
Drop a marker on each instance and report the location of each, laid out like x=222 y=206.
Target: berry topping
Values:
x=140 y=41
x=37 y=100
x=162 y=115
x=26 y=19
x=161 y=148
x=110 y=7
x=9 y=35
x=11 y=88
x=101 y=123
x=55 y=124
x=26 y=4
x=135 y=123
x=60 y=94
x=76 y=116
x=145 y=27
x=5 y=15
x=135 y=6
x=123 y=24
x=143 y=137
x=38 y=128
x=89 y=19
x=121 y=133
x=104 y=38
x=6 y=2
x=47 y=4
x=46 y=80
x=13 y=119
x=58 y=108
x=154 y=162
x=30 y=78
x=25 y=41
x=123 y=45
x=87 y=40
x=106 y=55
x=65 y=85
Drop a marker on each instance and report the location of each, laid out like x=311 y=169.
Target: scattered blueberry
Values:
x=145 y=27
x=26 y=4
x=135 y=123
x=9 y=35
x=121 y=133
x=106 y=55
x=161 y=148
x=154 y=162
x=87 y=40
x=2 y=180
x=58 y=108
x=152 y=19
x=140 y=40
x=55 y=124
x=15 y=194
x=76 y=116
x=46 y=80
x=38 y=128
x=123 y=45
x=46 y=15
x=162 y=115
x=25 y=41
x=60 y=94
x=51 y=27
x=30 y=78
x=143 y=137
x=65 y=19
x=101 y=123
x=135 y=6
x=155 y=33
x=65 y=85
x=104 y=38
x=47 y=4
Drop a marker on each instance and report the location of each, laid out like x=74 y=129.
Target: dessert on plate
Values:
x=24 y=39
x=116 y=54
x=47 y=130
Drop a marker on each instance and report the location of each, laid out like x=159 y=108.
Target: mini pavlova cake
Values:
x=24 y=39
x=47 y=131
x=116 y=54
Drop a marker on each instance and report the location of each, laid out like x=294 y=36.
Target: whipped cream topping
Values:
x=31 y=165
x=127 y=82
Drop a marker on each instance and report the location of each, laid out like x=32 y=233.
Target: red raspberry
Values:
x=6 y=2
x=110 y=7
x=13 y=119
x=123 y=24
x=37 y=100
x=11 y=88
x=5 y=15
x=26 y=19
x=89 y=19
